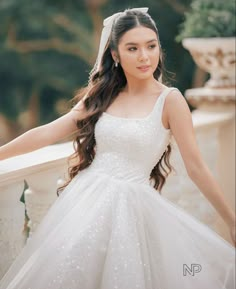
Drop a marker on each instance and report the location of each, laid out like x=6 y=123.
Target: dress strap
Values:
x=162 y=101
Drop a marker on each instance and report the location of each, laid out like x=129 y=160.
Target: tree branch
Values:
x=45 y=44
x=70 y=26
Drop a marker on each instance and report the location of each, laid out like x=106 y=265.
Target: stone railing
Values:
x=44 y=169
x=214 y=132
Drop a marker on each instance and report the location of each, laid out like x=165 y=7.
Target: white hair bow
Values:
x=106 y=31
x=109 y=20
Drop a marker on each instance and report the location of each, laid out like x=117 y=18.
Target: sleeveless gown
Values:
x=110 y=229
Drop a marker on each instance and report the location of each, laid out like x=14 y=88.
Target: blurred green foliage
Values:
x=209 y=18
x=47 y=48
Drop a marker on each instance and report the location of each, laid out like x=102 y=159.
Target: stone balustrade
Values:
x=41 y=171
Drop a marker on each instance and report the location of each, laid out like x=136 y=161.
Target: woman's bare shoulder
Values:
x=174 y=96
x=176 y=104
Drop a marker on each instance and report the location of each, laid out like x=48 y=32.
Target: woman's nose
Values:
x=142 y=55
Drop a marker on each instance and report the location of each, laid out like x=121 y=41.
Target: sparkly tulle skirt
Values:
x=108 y=233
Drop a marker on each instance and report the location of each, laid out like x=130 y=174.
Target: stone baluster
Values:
x=12 y=220
x=41 y=169
x=41 y=194
x=180 y=188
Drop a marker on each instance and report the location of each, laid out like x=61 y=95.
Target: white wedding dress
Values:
x=110 y=229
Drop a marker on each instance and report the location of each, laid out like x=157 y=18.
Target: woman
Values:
x=110 y=227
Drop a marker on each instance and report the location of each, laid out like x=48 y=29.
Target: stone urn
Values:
x=215 y=55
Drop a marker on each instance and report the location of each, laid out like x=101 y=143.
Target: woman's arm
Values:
x=43 y=135
x=180 y=122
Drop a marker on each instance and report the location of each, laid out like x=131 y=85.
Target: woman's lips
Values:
x=144 y=68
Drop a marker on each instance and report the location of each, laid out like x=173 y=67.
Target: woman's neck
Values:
x=140 y=87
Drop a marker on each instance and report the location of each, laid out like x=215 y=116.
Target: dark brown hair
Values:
x=103 y=87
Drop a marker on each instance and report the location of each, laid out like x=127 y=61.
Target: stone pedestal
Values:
x=217 y=56
x=223 y=107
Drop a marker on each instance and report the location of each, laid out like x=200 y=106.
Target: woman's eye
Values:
x=132 y=48
x=152 y=46
x=135 y=48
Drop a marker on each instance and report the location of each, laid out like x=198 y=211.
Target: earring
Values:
x=116 y=63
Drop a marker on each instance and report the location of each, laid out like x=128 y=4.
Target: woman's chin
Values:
x=144 y=76
x=140 y=76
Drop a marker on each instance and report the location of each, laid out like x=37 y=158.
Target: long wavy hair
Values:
x=103 y=87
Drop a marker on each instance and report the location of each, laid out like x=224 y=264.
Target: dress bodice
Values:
x=129 y=148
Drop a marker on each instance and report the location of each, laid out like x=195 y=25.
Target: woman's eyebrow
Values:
x=133 y=43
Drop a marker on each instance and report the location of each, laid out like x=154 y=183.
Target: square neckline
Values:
x=140 y=118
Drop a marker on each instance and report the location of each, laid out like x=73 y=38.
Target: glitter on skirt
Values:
x=110 y=229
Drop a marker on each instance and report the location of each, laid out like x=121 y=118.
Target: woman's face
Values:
x=138 y=52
